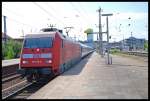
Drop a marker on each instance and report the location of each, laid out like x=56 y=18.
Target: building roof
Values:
x=135 y=38
x=8 y=37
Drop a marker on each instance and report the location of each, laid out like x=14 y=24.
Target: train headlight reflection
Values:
x=24 y=62
x=48 y=61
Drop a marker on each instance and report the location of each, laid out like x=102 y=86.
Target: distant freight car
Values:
x=49 y=52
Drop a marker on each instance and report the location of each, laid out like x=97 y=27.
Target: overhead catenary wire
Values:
x=14 y=13
x=66 y=27
x=77 y=11
x=55 y=11
x=85 y=13
x=81 y=21
x=48 y=12
x=19 y=15
x=17 y=21
x=7 y=14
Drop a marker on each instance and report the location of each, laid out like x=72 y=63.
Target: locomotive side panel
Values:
x=57 y=53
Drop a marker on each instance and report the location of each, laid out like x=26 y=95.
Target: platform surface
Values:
x=92 y=78
x=10 y=62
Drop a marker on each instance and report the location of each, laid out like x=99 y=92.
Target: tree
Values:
x=10 y=53
x=4 y=51
x=11 y=50
x=89 y=31
x=17 y=49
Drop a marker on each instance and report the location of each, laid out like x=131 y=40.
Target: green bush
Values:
x=146 y=45
x=17 y=49
x=11 y=49
x=10 y=53
x=4 y=51
x=112 y=51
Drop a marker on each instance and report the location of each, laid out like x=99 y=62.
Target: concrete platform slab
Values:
x=10 y=62
x=126 y=78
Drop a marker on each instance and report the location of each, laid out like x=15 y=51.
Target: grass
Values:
x=128 y=56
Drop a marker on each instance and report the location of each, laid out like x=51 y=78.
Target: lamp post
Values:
x=123 y=37
x=131 y=46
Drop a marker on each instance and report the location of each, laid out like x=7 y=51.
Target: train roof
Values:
x=83 y=45
x=49 y=29
x=59 y=32
x=48 y=34
x=40 y=34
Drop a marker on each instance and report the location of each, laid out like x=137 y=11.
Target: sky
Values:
x=27 y=17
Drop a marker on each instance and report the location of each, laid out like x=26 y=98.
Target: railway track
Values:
x=10 y=77
x=23 y=89
x=7 y=71
x=11 y=84
x=12 y=92
x=11 y=81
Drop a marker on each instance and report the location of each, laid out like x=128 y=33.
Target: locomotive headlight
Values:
x=24 y=62
x=48 y=61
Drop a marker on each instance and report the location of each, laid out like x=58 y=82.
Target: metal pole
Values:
x=67 y=33
x=131 y=42
x=100 y=33
x=5 y=30
x=123 y=41
x=107 y=39
x=99 y=10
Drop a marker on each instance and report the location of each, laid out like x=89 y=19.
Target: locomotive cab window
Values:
x=43 y=42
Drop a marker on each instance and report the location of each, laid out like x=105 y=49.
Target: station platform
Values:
x=10 y=62
x=92 y=78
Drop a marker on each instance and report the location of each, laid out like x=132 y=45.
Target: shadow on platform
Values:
x=76 y=69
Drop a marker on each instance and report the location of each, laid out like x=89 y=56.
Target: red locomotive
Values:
x=49 y=53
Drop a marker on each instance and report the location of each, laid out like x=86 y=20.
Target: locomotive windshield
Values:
x=43 y=42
